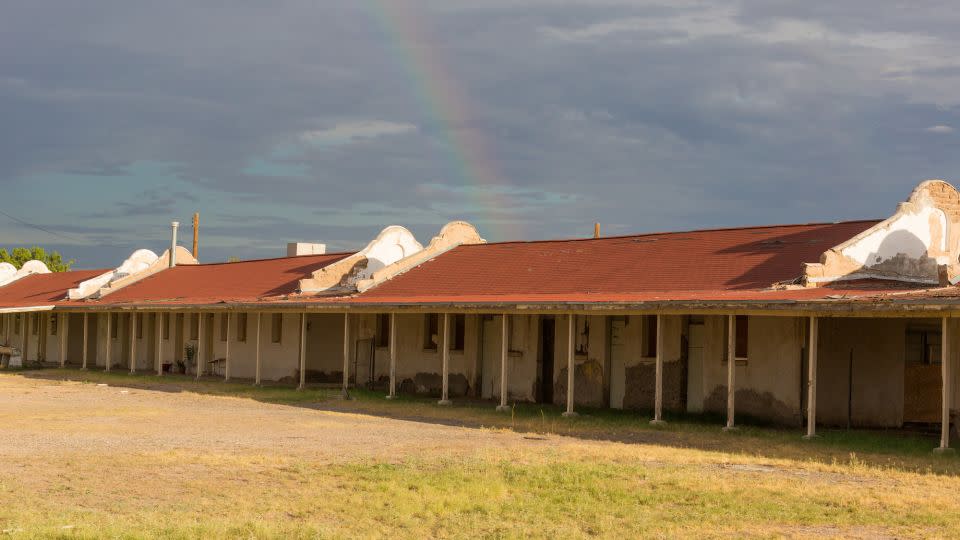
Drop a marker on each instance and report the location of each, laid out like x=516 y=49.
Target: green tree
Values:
x=20 y=255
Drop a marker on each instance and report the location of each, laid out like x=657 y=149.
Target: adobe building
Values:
x=839 y=324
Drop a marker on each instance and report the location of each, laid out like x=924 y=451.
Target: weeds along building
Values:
x=847 y=323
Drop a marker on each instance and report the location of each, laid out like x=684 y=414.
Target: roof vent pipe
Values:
x=173 y=244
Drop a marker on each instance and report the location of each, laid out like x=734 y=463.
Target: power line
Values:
x=39 y=228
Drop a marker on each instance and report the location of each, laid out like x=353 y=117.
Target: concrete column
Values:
x=198 y=356
x=946 y=374
x=133 y=343
x=158 y=323
x=346 y=356
x=256 y=379
x=813 y=340
x=226 y=351
x=63 y=318
x=571 y=371
x=303 y=351
x=731 y=369
x=86 y=327
x=109 y=344
x=445 y=368
x=504 y=354
x=658 y=378
x=392 y=393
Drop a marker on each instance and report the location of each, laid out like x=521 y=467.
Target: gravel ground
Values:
x=40 y=417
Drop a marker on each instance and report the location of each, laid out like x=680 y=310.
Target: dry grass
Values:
x=93 y=461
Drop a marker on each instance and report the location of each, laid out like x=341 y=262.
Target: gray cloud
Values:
x=533 y=118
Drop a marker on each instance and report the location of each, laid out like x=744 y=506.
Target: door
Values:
x=695 y=333
x=490 y=341
x=363 y=363
x=618 y=360
x=548 y=340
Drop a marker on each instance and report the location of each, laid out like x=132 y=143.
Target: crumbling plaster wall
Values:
x=923 y=234
x=768 y=381
x=632 y=378
x=590 y=387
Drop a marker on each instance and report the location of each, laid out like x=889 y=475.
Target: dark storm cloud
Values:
x=309 y=121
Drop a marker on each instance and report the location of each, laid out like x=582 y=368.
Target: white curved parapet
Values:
x=28 y=268
x=139 y=261
x=392 y=244
x=453 y=234
x=916 y=244
x=7 y=271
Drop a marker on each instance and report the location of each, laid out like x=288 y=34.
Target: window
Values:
x=224 y=326
x=581 y=328
x=138 y=322
x=194 y=330
x=430 y=332
x=276 y=328
x=923 y=345
x=114 y=323
x=383 y=330
x=459 y=323
x=242 y=327
x=165 y=325
x=743 y=334
x=54 y=326
x=650 y=336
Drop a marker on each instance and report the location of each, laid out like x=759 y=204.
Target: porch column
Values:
x=658 y=390
x=109 y=344
x=198 y=355
x=62 y=334
x=504 y=352
x=158 y=323
x=445 y=369
x=946 y=377
x=346 y=355
x=256 y=378
x=571 y=344
x=303 y=351
x=86 y=326
x=813 y=340
x=25 y=338
x=392 y=393
x=731 y=369
x=133 y=343
x=226 y=351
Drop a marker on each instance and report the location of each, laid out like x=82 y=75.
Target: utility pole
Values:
x=196 y=236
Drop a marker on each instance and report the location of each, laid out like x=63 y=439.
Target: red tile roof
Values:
x=692 y=265
x=245 y=281
x=43 y=289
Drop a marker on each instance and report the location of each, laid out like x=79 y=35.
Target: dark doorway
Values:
x=548 y=331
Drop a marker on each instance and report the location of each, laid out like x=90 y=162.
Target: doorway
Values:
x=548 y=335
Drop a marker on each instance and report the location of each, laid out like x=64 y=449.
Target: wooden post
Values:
x=226 y=350
x=658 y=377
x=571 y=351
x=256 y=379
x=62 y=334
x=303 y=351
x=392 y=394
x=158 y=323
x=198 y=355
x=27 y=323
x=504 y=354
x=445 y=368
x=196 y=236
x=86 y=328
x=946 y=370
x=133 y=343
x=346 y=355
x=109 y=344
x=731 y=369
x=813 y=340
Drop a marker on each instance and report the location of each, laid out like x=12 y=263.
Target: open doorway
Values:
x=548 y=335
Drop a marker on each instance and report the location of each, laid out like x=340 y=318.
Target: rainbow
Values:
x=446 y=106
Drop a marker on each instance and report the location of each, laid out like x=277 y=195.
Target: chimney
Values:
x=173 y=244
x=196 y=236
x=295 y=249
x=596 y=230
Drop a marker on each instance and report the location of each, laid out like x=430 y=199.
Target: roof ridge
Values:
x=661 y=233
x=221 y=263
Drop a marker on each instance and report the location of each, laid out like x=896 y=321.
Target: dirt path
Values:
x=51 y=417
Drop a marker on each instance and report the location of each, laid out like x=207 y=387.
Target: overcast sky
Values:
x=326 y=121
